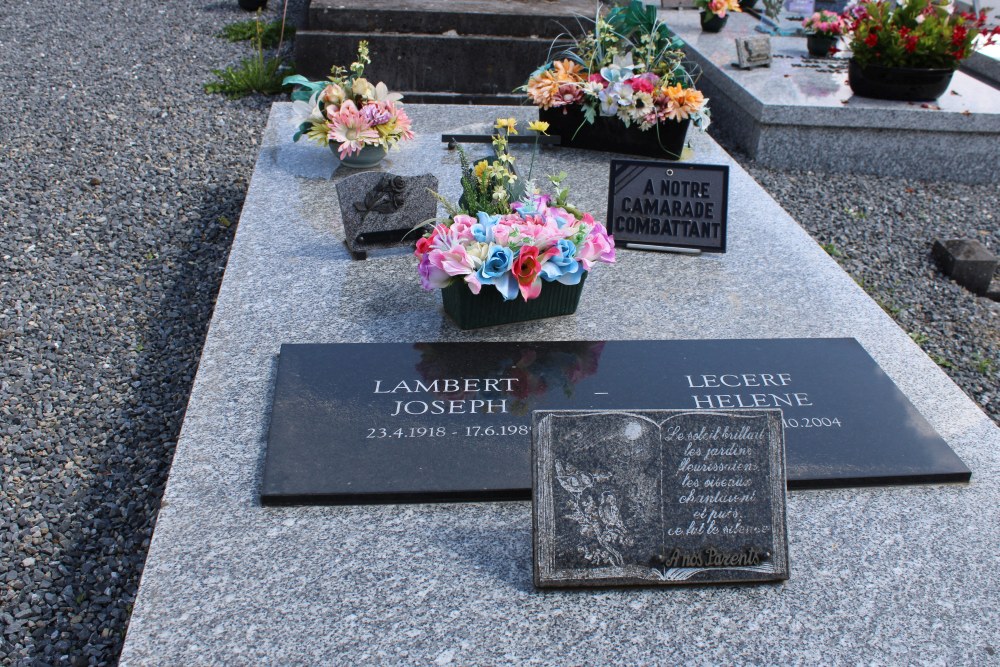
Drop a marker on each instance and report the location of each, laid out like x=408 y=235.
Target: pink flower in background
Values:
x=640 y=85
x=349 y=128
x=401 y=120
x=376 y=113
x=568 y=94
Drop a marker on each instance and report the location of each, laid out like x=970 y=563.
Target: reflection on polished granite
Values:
x=892 y=575
x=800 y=113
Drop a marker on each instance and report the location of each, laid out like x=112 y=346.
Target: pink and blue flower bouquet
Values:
x=517 y=260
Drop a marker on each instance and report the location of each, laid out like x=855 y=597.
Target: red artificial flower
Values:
x=526 y=266
x=640 y=85
x=423 y=246
x=872 y=39
x=958 y=35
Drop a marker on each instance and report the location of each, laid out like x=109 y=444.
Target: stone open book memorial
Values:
x=875 y=572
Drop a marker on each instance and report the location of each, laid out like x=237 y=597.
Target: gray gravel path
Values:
x=881 y=231
x=118 y=178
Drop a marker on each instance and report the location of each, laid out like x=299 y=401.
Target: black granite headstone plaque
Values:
x=393 y=422
x=654 y=205
x=654 y=497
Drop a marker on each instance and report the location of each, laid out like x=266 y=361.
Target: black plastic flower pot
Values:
x=487 y=309
x=607 y=133
x=712 y=22
x=910 y=84
x=819 y=45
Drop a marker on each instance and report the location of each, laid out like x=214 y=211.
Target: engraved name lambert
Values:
x=449 y=387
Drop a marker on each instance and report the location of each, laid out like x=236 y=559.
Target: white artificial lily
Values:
x=307 y=112
x=621 y=68
x=382 y=94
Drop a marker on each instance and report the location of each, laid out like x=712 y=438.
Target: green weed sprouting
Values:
x=258 y=74
x=244 y=31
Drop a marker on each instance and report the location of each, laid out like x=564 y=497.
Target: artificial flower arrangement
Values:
x=630 y=68
x=824 y=24
x=347 y=111
x=719 y=8
x=505 y=235
x=915 y=33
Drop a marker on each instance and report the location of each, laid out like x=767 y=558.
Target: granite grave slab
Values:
x=658 y=497
x=888 y=575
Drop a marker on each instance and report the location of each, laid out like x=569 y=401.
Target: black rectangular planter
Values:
x=664 y=141
x=487 y=309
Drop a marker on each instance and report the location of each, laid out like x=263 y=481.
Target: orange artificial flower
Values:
x=567 y=71
x=543 y=90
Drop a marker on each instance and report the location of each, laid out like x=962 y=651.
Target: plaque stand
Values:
x=659 y=248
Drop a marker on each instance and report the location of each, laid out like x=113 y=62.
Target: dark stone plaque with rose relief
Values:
x=658 y=497
x=381 y=210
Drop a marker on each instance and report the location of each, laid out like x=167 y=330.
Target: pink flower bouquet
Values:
x=824 y=24
x=514 y=253
x=347 y=111
x=506 y=235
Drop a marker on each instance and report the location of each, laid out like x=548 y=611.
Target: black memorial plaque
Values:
x=667 y=204
x=656 y=497
x=398 y=422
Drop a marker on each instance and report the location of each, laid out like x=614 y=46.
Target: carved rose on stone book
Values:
x=386 y=197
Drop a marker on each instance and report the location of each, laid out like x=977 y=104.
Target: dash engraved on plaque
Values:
x=658 y=497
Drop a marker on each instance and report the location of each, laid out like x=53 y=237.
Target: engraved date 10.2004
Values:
x=810 y=422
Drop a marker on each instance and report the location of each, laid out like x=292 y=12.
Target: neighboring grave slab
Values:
x=654 y=497
x=424 y=422
x=789 y=115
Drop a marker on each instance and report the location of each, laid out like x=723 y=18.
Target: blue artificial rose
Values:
x=483 y=230
x=496 y=271
x=498 y=261
x=563 y=267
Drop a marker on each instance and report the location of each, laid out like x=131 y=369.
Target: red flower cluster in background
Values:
x=917 y=33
